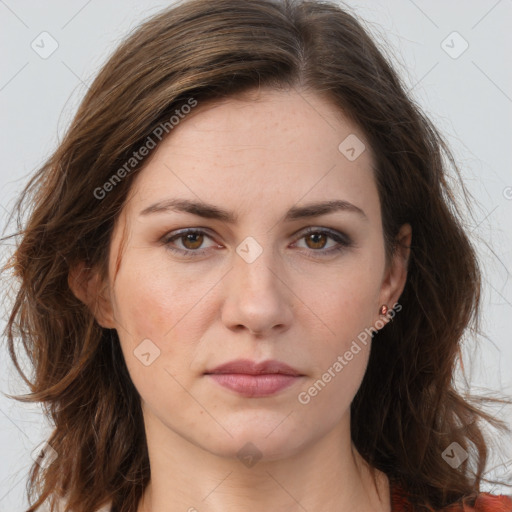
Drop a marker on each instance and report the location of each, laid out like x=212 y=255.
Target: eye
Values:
x=191 y=241
x=316 y=240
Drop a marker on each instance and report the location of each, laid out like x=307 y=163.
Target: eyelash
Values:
x=343 y=240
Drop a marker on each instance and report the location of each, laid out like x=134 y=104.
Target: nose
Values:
x=258 y=298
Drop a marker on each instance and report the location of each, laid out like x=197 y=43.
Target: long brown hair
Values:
x=407 y=410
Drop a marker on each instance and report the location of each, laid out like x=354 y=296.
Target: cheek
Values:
x=153 y=297
x=166 y=305
x=152 y=310
x=330 y=391
x=348 y=305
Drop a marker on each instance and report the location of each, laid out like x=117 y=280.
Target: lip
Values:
x=252 y=379
x=248 y=367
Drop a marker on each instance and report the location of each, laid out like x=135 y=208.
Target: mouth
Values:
x=251 y=379
x=253 y=386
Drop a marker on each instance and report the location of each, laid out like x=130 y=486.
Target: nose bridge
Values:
x=257 y=297
x=255 y=264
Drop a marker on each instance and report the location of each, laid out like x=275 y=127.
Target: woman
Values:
x=244 y=281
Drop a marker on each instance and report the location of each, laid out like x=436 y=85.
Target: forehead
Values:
x=263 y=146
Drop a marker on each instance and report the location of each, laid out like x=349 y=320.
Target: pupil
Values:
x=190 y=238
x=314 y=238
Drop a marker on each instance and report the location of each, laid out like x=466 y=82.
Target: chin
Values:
x=258 y=441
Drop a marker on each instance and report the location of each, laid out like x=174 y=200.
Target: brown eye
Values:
x=192 y=240
x=188 y=243
x=316 y=240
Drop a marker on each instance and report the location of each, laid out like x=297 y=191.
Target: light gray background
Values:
x=468 y=97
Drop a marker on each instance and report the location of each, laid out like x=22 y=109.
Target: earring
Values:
x=383 y=309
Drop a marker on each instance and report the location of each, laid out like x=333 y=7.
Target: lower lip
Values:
x=254 y=385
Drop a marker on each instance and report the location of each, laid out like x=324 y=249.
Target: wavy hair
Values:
x=407 y=410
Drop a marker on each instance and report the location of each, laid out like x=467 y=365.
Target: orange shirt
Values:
x=484 y=502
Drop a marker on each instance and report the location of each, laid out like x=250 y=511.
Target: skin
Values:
x=255 y=155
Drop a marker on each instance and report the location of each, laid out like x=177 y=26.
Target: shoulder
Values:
x=484 y=502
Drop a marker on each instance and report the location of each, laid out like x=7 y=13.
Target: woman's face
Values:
x=248 y=282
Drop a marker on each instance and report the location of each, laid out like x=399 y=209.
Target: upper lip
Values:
x=253 y=368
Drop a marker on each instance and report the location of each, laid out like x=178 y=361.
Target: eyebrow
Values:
x=210 y=211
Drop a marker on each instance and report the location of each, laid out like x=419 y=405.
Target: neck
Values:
x=327 y=475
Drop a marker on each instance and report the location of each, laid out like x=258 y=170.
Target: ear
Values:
x=395 y=276
x=86 y=285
